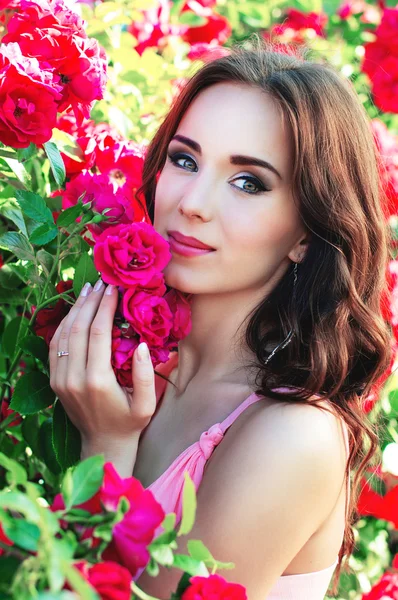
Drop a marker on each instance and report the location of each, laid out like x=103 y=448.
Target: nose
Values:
x=197 y=201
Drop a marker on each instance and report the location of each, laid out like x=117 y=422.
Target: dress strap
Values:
x=239 y=410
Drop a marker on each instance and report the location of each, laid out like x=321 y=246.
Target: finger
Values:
x=100 y=337
x=144 y=396
x=63 y=340
x=53 y=358
x=79 y=337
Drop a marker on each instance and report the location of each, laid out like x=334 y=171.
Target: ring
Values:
x=62 y=353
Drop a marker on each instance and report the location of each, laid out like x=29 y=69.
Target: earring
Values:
x=289 y=336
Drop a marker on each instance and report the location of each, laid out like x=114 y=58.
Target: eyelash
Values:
x=176 y=156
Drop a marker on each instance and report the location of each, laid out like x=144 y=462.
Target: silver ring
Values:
x=62 y=353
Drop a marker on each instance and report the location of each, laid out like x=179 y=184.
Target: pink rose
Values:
x=149 y=315
x=214 y=587
x=123 y=348
x=181 y=308
x=131 y=255
x=104 y=194
x=136 y=530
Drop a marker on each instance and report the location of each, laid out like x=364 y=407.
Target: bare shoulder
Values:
x=291 y=436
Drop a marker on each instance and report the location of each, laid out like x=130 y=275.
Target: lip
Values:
x=185 y=250
x=188 y=241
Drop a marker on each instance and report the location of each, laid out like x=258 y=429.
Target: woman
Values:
x=268 y=161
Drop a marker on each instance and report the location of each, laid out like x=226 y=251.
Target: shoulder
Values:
x=298 y=448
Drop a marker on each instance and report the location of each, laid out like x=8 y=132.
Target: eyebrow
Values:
x=236 y=159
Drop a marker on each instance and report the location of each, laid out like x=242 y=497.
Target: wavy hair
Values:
x=340 y=344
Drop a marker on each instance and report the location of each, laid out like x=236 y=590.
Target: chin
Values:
x=187 y=283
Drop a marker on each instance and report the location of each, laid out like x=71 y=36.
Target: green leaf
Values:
x=56 y=162
x=30 y=431
x=35 y=346
x=14 y=298
x=46 y=260
x=188 y=505
x=46 y=451
x=43 y=234
x=85 y=271
x=191 y=19
x=26 y=153
x=393 y=400
x=24 y=534
x=169 y=522
x=66 y=438
x=16 y=473
x=34 y=207
x=190 y=565
x=14 y=214
x=32 y=393
x=15 y=330
x=19 y=170
x=19 y=502
x=8 y=567
x=87 y=479
x=67 y=487
x=18 y=244
x=163 y=555
x=8 y=278
x=69 y=215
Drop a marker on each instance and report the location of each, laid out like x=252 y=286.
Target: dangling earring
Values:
x=289 y=336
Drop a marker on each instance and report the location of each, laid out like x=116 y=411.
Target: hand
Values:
x=85 y=382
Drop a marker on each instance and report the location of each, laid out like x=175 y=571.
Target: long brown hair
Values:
x=341 y=344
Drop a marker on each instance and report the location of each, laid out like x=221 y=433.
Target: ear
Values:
x=298 y=252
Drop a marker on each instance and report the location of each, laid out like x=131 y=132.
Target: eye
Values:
x=174 y=158
x=254 y=183
x=256 y=186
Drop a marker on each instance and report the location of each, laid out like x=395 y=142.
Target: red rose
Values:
x=214 y=587
x=370 y=503
x=6 y=411
x=387 y=144
x=29 y=98
x=55 y=35
x=131 y=255
x=110 y=580
x=381 y=61
x=387 y=587
x=216 y=28
x=48 y=319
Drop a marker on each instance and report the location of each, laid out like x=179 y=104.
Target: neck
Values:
x=215 y=349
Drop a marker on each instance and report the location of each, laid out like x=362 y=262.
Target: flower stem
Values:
x=141 y=594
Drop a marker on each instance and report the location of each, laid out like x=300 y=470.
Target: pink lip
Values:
x=188 y=240
x=186 y=250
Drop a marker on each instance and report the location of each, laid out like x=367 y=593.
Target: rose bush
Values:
x=83 y=88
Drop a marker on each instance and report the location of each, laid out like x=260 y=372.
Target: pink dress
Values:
x=168 y=488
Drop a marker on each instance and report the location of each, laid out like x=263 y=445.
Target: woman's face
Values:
x=242 y=210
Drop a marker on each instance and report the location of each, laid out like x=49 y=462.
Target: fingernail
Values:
x=109 y=289
x=86 y=289
x=98 y=285
x=143 y=352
